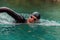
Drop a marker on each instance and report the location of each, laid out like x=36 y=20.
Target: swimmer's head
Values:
x=36 y=14
x=34 y=17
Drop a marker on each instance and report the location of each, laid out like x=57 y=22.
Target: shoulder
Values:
x=23 y=19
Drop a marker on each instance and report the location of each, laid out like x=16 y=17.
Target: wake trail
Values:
x=44 y=22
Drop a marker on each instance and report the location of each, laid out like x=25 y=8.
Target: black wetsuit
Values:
x=18 y=18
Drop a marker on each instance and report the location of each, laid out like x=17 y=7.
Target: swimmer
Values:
x=19 y=18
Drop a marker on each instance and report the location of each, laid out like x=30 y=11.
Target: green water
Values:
x=48 y=11
x=24 y=32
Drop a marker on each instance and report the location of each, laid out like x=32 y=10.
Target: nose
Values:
x=32 y=19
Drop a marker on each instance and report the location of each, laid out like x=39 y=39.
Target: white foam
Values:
x=45 y=22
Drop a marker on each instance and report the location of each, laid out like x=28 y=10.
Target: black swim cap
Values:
x=36 y=14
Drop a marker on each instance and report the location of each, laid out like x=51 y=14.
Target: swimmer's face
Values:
x=32 y=19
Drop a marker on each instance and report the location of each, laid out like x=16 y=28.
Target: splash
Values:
x=44 y=22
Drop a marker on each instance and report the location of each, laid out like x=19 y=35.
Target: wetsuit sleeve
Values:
x=18 y=18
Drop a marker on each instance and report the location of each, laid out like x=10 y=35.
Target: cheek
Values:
x=31 y=20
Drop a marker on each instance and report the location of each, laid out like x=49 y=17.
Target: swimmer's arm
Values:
x=18 y=18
